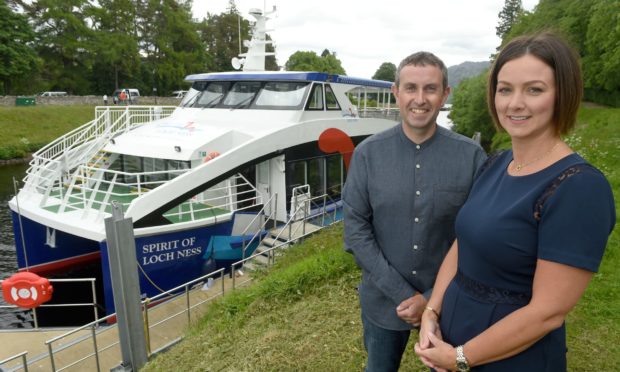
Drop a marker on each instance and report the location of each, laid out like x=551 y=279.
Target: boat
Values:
x=203 y=182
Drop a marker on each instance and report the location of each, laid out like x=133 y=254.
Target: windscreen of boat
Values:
x=268 y=95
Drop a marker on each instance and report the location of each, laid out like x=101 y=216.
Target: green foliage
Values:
x=387 y=72
x=63 y=44
x=310 y=61
x=17 y=58
x=469 y=111
x=508 y=16
x=171 y=43
x=601 y=63
x=115 y=43
x=592 y=27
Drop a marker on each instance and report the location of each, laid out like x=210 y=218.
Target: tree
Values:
x=601 y=63
x=17 y=58
x=469 y=111
x=310 y=61
x=170 y=43
x=63 y=43
x=509 y=15
x=387 y=72
x=115 y=44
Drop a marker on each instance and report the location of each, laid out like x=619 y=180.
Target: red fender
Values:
x=26 y=289
x=334 y=140
x=211 y=155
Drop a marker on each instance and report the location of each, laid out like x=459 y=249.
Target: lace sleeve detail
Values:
x=567 y=173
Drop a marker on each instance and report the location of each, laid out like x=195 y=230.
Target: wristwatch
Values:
x=461 y=361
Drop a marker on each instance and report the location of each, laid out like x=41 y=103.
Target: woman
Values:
x=532 y=232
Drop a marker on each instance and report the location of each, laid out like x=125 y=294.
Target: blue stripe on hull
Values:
x=67 y=246
x=167 y=260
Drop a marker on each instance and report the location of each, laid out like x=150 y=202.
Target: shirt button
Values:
x=414 y=272
x=417 y=166
x=417 y=192
x=416 y=219
x=417 y=147
x=415 y=246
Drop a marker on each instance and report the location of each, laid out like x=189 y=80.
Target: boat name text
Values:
x=169 y=250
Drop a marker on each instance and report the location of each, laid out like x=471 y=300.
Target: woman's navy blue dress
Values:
x=500 y=240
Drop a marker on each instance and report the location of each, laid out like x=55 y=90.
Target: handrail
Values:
x=265 y=222
x=94 y=327
x=291 y=237
x=93 y=134
x=19 y=355
x=76 y=280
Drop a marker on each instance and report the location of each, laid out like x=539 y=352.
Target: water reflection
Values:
x=13 y=318
x=8 y=262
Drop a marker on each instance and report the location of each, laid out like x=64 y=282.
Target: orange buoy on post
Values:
x=26 y=290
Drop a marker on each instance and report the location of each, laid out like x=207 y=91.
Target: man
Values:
x=403 y=190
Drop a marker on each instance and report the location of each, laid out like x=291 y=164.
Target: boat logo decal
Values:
x=178 y=129
x=335 y=140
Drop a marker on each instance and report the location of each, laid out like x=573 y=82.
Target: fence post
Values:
x=126 y=289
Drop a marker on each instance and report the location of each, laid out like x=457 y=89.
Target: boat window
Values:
x=281 y=94
x=297 y=173
x=316 y=98
x=316 y=176
x=334 y=176
x=148 y=172
x=330 y=99
x=241 y=94
x=212 y=94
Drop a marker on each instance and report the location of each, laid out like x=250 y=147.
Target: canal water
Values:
x=8 y=261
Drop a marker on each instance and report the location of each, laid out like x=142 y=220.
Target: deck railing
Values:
x=93 y=304
x=58 y=158
x=90 y=346
x=92 y=190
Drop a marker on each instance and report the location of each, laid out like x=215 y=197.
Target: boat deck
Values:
x=96 y=199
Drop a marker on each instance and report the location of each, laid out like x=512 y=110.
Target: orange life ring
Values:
x=26 y=290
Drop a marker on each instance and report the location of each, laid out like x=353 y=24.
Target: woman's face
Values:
x=525 y=97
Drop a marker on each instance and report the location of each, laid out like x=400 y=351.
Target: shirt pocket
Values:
x=447 y=201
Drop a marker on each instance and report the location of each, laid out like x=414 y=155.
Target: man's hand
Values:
x=411 y=309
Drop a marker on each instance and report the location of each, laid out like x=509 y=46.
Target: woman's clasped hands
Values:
x=430 y=348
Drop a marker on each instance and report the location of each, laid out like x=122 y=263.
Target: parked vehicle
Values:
x=179 y=93
x=53 y=94
x=131 y=95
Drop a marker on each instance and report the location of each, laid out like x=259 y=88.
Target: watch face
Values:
x=462 y=366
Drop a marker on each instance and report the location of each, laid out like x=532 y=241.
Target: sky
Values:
x=365 y=34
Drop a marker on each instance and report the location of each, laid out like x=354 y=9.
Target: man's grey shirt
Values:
x=400 y=203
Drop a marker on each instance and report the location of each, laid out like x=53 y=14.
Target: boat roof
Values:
x=289 y=76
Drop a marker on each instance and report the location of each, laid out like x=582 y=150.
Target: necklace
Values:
x=519 y=166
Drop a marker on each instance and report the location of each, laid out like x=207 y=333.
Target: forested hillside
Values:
x=591 y=26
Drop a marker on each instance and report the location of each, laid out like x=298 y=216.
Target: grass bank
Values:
x=24 y=129
x=303 y=315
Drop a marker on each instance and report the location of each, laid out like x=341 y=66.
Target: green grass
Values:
x=24 y=129
x=594 y=326
x=303 y=315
